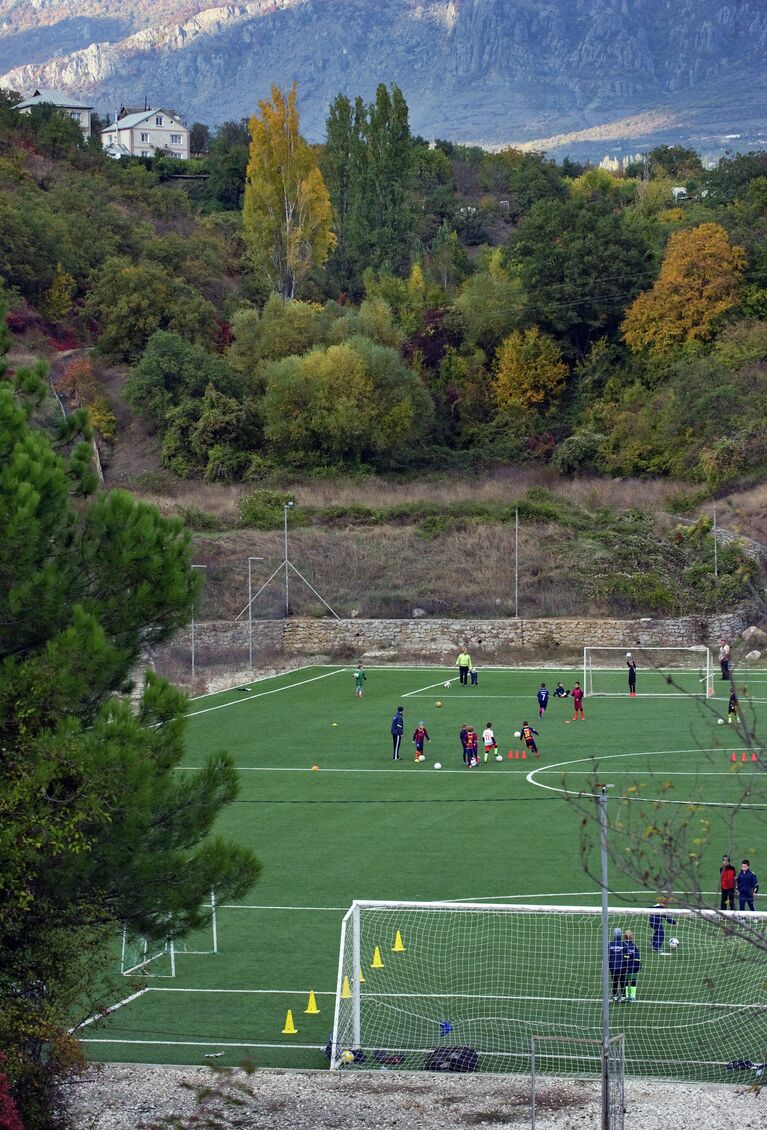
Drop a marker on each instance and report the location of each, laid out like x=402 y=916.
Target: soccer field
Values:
x=361 y=826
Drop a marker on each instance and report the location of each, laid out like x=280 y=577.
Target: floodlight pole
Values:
x=716 y=561
x=286 y=507
x=193 y=668
x=250 y=611
x=602 y=805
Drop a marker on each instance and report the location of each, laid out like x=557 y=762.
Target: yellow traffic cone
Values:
x=376 y=963
x=398 y=946
x=362 y=977
x=290 y=1028
x=311 y=1008
x=346 y=990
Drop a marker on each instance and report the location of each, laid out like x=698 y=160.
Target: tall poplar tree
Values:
x=286 y=213
x=96 y=829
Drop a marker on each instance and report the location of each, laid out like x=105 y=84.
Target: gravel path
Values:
x=130 y=1097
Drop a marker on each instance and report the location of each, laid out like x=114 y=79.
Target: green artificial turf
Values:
x=361 y=826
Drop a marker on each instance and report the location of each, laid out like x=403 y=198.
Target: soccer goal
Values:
x=425 y=984
x=659 y=670
x=142 y=956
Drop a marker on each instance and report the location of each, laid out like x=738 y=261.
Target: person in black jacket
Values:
x=616 y=963
x=747 y=884
x=397 y=730
x=657 y=923
x=632 y=966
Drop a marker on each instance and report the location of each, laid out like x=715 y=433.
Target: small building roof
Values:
x=55 y=98
x=130 y=121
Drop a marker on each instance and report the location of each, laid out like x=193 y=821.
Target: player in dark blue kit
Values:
x=657 y=923
x=543 y=700
x=632 y=965
x=616 y=963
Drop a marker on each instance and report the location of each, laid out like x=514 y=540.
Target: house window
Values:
x=75 y=114
x=144 y=137
x=158 y=120
x=143 y=153
x=175 y=139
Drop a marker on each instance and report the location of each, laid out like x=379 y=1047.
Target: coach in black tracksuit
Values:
x=397 y=730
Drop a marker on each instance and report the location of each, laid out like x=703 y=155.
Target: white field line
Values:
x=261 y=679
x=261 y=694
x=108 y=1011
x=197 y=1044
x=253 y=992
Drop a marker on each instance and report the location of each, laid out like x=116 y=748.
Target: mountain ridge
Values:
x=496 y=71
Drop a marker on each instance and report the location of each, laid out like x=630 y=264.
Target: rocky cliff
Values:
x=485 y=70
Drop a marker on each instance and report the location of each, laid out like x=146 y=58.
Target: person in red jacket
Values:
x=577 y=696
x=727 y=875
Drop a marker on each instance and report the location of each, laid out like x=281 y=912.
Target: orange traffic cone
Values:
x=734 y=757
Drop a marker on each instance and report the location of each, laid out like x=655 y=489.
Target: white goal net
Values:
x=659 y=670
x=141 y=956
x=422 y=981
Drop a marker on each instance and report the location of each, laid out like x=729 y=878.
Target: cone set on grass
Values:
x=744 y=757
x=346 y=990
x=517 y=755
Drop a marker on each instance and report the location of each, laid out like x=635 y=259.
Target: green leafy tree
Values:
x=227 y=163
x=57 y=302
x=530 y=374
x=96 y=828
x=286 y=212
x=172 y=369
x=131 y=301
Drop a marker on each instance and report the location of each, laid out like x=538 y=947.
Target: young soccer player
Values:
x=543 y=700
x=529 y=735
x=631 y=664
x=488 y=737
x=359 y=680
x=577 y=693
x=727 y=877
x=420 y=736
x=463 y=736
x=732 y=708
x=474 y=675
x=560 y=692
x=632 y=965
x=472 y=747
x=616 y=962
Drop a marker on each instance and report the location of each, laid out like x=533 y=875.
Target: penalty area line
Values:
x=262 y=694
x=108 y=1011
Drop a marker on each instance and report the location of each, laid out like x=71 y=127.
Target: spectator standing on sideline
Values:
x=577 y=693
x=724 y=658
x=616 y=964
x=464 y=737
x=732 y=708
x=420 y=736
x=633 y=965
x=463 y=663
x=359 y=680
x=727 y=876
x=632 y=666
x=397 y=730
x=747 y=884
x=657 y=923
x=543 y=700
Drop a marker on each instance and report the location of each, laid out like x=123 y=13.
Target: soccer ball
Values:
x=347 y=1056
x=447 y=684
x=438 y=703
x=499 y=757
x=720 y=721
x=437 y=764
x=421 y=756
x=628 y=655
x=673 y=943
x=517 y=733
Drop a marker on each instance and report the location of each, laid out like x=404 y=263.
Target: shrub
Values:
x=262 y=509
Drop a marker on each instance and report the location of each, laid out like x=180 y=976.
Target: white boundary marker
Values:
x=261 y=694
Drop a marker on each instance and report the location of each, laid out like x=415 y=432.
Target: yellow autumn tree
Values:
x=699 y=283
x=530 y=374
x=286 y=211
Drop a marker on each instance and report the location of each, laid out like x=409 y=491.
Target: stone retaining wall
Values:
x=441 y=639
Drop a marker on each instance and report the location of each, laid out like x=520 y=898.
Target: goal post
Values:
x=142 y=956
x=420 y=981
x=660 y=670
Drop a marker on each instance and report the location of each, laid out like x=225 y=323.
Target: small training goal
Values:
x=142 y=956
x=659 y=670
x=469 y=986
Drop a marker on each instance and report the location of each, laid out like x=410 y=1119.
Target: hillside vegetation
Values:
x=461 y=312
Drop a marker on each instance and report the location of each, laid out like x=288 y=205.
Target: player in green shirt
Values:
x=359 y=680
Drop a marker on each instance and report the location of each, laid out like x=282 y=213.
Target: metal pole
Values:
x=287 y=507
x=516 y=563
x=250 y=611
x=193 y=666
x=716 y=562
x=602 y=803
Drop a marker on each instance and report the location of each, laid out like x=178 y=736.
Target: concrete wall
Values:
x=441 y=639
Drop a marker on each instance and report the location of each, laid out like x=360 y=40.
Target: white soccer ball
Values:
x=347 y=1057
x=517 y=733
x=447 y=684
x=421 y=756
x=628 y=655
x=499 y=757
x=720 y=721
x=437 y=764
x=673 y=943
